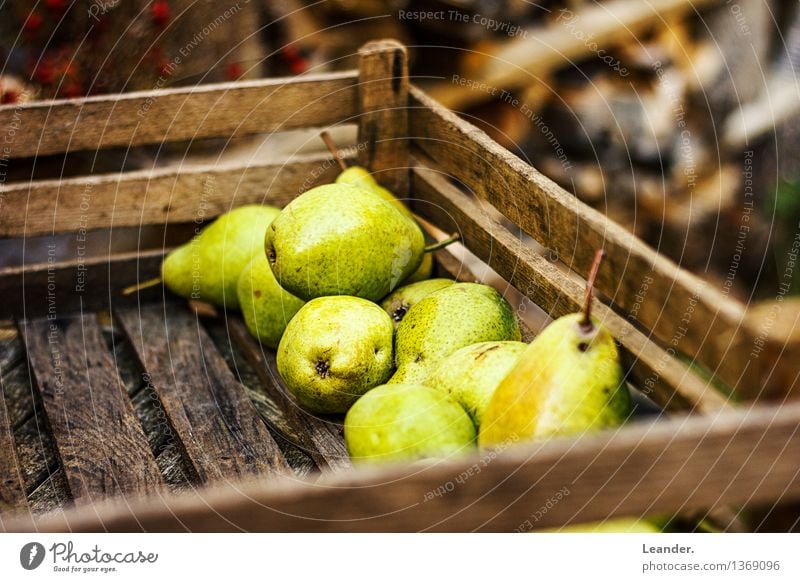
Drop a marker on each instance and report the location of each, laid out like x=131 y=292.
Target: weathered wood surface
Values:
x=12 y=494
x=170 y=195
x=654 y=371
x=733 y=458
x=320 y=438
x=78 y=285
x=218 y=110
x=682 y=310
x=383 y=113
x=100 y=442
x=221 y=433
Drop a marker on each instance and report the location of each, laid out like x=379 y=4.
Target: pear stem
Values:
x=335 y=152
x=142 y=286
x=586 y=322
x=455 y=237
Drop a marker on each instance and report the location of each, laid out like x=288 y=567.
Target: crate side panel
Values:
x=221 y=110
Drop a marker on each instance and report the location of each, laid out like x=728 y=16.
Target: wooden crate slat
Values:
x=215 y=110
x=64 y=287
x=383 y=113
x=220 y=430
x=322 y=439
x=156 y=196
x=667 y=380
x=100 y=442
x=12 y=493
x=716 y=331
x=736 y=457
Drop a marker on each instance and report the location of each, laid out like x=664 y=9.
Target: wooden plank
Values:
x=100 y=442
x=682 y=310
x=64 y=287
x=221 y=432
x=146 y=117
x=383 y=113
x=653 y=370
x=672 y=466
x=12 y=494
x=320 y=438
x=171 y=195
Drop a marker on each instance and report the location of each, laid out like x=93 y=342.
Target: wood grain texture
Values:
x=66 y=287
x=12 y=494
x=677 y=465
x=320 y=438
x=682 y=310
x=653 y=370
x=100 y=442
x=221 y=433
x=383 y=113
x=216 y=110
x=172 y=195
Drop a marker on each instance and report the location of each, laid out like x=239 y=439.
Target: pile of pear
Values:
x=338 y=283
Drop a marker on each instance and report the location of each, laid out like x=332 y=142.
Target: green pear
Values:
x=208 y=267
x=334 y=350
x=340 y=240
x=471 y=374
x=361 y=178
x=400 y=301
x=446 y=320
x=568 y=381
x=404 y=422
x=266 y=306
x=617 y=525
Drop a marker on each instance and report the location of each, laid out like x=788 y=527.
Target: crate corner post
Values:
x=383 y=113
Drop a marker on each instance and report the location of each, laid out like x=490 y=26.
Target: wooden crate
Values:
x=136 y=413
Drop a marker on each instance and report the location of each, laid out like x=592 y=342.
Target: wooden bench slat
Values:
x=215 y=110
x=557 y=219
x=321 y=439
x=100 y=442
x=93 y=284
x=666 y=379
x=221 y=432
x=171 y=195
x=682 y=464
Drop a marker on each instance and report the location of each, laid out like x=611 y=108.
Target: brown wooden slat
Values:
x=383 y=108
x=321 y=439
x=12 y=494
x=678 y=465
x=654 y=371
x=218 y=110
x=220 y=430
x=81 y=285
x=560 y=221
x=100 y=442
x=156 y=196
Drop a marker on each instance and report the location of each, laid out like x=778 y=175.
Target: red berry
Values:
x=33 y=23
x=159 y=12
x=71 y=89
x=57 y=6
x=9 y=97
x=45 y=72
x=233 y=71
x=298 y=65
